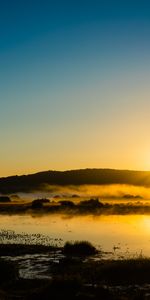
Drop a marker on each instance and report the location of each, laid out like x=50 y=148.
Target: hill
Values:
x=26 y=183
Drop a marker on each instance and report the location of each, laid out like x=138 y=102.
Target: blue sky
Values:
x=74 y=85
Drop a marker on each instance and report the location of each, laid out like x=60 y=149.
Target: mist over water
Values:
x=103 y=192
x=128 y=233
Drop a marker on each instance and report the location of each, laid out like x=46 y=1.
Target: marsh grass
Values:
x=79 y=279
x=23 y=238
x=79 y=248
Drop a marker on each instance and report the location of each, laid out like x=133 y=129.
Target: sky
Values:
x=74 y=85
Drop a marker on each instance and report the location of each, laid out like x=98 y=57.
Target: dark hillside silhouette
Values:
x=26 y=183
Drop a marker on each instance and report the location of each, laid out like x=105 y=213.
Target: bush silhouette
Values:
x=92 y=203
x=4 y=199
x=77 y=248
x=66 y=203
x=36 y=204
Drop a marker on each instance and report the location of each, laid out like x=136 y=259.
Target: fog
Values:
x=103 y=192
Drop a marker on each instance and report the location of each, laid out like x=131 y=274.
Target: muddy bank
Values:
x=74 y=277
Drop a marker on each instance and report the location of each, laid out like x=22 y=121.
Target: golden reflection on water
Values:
x=127 y=232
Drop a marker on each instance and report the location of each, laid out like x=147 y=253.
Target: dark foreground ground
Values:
x=75 y=276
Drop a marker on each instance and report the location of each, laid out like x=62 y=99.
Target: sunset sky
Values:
x=74 y=85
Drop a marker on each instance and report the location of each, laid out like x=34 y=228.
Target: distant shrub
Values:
x=130 y=196
x=77 y=248
x=92 y=203
x=66 y=203
x=4 y=199
x=38 y=203
x=56 y=196
x=15 y=197
x=44 y=200
x=75 y=196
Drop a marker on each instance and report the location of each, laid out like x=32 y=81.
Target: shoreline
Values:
x=71 y=276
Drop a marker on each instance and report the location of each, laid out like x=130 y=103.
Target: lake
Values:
x=119 y=234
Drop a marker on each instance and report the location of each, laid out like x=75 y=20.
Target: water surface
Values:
x=115 y=233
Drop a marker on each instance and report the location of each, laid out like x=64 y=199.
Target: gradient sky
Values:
x=74 y=85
